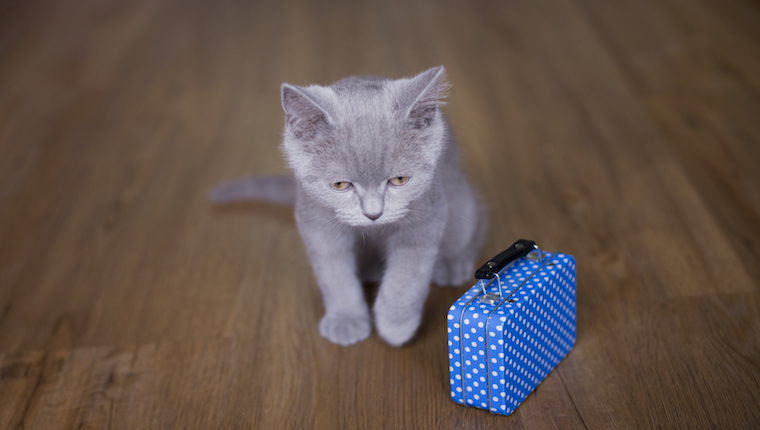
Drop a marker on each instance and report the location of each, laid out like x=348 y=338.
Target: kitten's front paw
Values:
x=397 y=331
x=453 y=273
x=345 y=329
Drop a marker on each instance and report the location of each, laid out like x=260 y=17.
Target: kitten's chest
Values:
x=373 y=239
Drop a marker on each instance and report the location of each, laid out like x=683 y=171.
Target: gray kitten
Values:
x=379 y=196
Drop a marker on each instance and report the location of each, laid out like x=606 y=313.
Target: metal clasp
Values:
x=492 y=298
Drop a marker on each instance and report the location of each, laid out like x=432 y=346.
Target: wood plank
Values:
x=668 y=363
x=702 y=91
x=150 y=386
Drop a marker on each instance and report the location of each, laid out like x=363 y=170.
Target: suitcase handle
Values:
x=491 y=269
x=521 y=248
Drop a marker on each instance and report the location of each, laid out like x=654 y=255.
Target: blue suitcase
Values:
x=510 y=329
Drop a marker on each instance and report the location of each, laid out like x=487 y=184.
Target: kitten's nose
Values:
x=372 y=206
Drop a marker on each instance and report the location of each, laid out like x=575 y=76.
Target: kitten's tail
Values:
x=279 y=189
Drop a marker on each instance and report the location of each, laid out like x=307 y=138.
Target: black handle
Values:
x=519 y=249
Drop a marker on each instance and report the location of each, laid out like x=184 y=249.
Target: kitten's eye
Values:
x=399 y=180
x=340 y=185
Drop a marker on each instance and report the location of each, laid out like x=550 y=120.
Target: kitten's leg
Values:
x=409 y=267
x=347 y=318
x=461 y=243
x=457 y=267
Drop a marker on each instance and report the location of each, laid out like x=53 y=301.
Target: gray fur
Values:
x=365 y=131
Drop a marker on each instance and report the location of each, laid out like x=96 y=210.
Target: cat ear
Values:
x=304 y=117
x=422 y=95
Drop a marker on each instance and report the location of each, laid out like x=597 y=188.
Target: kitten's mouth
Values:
x=370 y=223
x=364 y=221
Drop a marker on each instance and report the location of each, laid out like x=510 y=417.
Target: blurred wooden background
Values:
x=626 y=133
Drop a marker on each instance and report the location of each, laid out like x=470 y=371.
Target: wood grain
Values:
x=624 y=133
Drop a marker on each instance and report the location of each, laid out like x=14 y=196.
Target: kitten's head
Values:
x=366 y=147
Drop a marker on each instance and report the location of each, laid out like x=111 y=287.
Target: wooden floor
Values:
x=625 y=133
